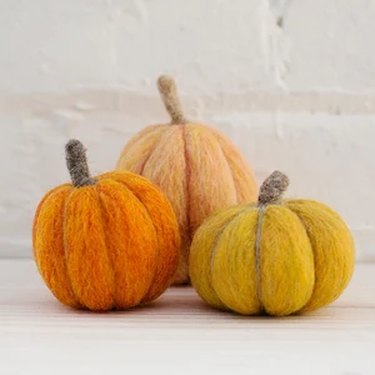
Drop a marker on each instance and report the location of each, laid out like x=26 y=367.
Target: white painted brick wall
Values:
x=292 y=82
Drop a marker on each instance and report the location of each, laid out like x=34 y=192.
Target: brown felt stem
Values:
x=168 y=92
x=273 y=188
x=76 y=162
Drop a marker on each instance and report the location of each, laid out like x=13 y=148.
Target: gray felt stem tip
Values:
x=76 y=163
x=273 y=188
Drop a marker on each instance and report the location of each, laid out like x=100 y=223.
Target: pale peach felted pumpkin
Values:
x=198 y=168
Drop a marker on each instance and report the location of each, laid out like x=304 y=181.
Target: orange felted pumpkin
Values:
x=108 y=242
x=198 y=168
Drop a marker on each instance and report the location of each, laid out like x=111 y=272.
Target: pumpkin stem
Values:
x=168 y=92
x=273 y=188
x=76 y=162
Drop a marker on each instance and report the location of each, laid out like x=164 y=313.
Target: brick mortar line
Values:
x=118 y=101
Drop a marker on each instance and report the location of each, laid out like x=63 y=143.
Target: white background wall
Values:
x=292 y=82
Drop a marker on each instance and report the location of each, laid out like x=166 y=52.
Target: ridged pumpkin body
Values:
x=110 y=245
x=197 y=167
x=298 y=256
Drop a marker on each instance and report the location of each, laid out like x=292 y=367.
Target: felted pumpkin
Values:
x=108 y=242
x=276 y=257
x=198 y=168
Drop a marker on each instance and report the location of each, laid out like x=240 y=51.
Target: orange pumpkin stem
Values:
x=273 y=188
x=168 y=92
x=76 y=163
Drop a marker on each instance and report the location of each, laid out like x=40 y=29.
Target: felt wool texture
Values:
x=277 y=257
x=108 y=242
x=197 y=167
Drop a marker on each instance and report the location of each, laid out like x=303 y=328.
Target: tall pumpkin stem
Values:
x=168 y=92
x=76 y=163
x=273 y=188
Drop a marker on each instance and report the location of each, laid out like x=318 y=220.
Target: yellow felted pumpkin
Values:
x=276 y=257
x=198 y=168
x=108 y=242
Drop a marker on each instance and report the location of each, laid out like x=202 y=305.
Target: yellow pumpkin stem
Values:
x=168 y=92
x=273 y=188
x=76 y=163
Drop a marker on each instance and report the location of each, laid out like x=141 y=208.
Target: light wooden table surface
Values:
x=179 y=334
